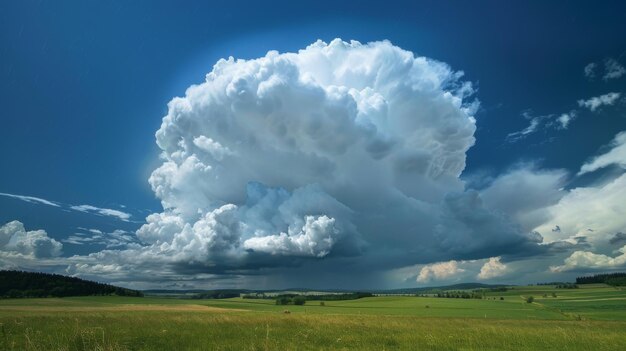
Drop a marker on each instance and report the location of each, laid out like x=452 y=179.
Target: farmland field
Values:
x=592 y=317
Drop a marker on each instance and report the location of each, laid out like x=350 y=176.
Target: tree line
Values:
x=217 y=294
x=460 y=295
x=310 y=297
x=615 y=279
x=16 y=284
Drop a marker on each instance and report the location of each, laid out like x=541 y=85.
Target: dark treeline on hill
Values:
x=14 y=284
x=217 y=294
x=436 y=289
x=460 y=295
x=311 y=297
x=615 y=279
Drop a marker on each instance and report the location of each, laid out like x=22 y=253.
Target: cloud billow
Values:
x=16 y=240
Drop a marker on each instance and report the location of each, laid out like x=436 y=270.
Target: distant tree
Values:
x=299 y=300
x=322 y=303
x=553 y=294
x=530 y=299
x=283 y=300
x=501 y=298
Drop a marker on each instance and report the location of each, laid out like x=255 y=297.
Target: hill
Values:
x=28 y=284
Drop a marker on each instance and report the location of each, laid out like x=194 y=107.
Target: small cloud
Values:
x=102 y=211
x=492 y=269
x=32 y=199
x=598 y=101
x=544 y=122
x=535 y=122
x=590 y=70
x=612 y=69
x=439 y=271
x=565 y=119
x=15 y=239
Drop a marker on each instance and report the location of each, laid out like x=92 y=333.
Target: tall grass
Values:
x=276 y=331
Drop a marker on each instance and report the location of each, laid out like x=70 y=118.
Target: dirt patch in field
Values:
x=120 y=308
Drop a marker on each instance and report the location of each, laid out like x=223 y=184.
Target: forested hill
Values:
x=28 y=284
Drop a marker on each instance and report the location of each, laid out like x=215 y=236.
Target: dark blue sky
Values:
x=84 y=84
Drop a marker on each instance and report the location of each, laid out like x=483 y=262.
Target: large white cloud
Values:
x=342 y=156
x=304 y=150
x=14 y=239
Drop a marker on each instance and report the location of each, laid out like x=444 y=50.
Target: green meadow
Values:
x=592 y=317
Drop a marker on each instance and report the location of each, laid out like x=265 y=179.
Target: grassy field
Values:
x=589 y=318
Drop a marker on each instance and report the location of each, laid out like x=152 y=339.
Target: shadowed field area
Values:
x=590 y=318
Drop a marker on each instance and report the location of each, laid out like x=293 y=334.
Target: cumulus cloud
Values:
x=596 y=102
x=316 y=238
x=492 y=268
x=14 y=239
x=586 y=260
x=613 y=69
x=339 y=155
x=615 y=156
x=329 y=152
x=102 y=211
x=439 y=271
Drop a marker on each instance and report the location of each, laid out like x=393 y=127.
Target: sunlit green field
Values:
x=589 y=318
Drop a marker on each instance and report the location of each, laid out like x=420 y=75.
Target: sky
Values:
x=163 y=144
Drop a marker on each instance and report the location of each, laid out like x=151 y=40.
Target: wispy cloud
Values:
x=613 y=69
x=542 y=122
x=102 y=211
x=32 y=199
x=124 y=216
x=596 y=102
x=590 y=70
x=615 y=156
x=535 y=122
x=115 y=239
